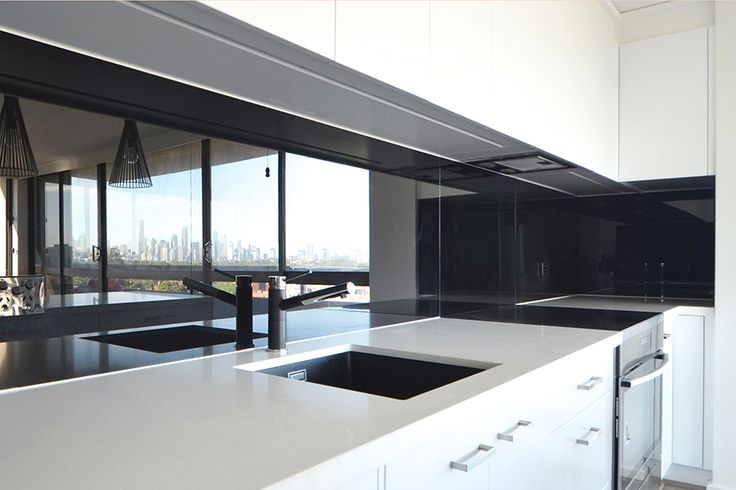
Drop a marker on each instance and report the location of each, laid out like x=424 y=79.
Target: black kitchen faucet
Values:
x=277 y=305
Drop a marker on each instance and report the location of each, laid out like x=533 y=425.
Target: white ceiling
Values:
x=57 y=132
x=624 y=6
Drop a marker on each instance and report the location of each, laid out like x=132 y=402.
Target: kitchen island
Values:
x=202 y=423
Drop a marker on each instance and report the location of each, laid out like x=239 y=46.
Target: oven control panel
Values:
x=21 y=295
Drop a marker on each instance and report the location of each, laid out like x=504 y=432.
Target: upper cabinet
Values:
x=386 y=40
x=545 y=73
x=551 y=74
x=665 y=119
x=461 y=50
x=555 y=80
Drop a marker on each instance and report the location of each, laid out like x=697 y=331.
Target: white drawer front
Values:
x=574 y=383
x=582 y=449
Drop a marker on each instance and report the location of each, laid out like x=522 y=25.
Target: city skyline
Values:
x=244 y=216
x=178 y=249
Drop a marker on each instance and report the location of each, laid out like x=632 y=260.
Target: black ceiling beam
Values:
x=46 y=73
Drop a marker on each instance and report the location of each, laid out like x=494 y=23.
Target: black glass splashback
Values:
x=653 y=244
x=512 y=246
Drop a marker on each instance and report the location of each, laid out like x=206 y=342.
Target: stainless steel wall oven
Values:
x=638 y=411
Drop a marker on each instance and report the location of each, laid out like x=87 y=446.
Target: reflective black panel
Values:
x=507 y=243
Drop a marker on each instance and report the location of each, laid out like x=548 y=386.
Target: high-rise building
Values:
x=215 y=245
x=141 y=240
x=196 y=252
x=185 y=254
x=151 y=249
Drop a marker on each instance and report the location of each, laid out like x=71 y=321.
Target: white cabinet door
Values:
x=664 y=107
x=687 y=421
x=522 y=464
x=688 y=377
x=461 y=57
x=576 y=455
x=456 y=437
x=708 y=349
x=667 y=397
x=555 y=80
x=532 y=423
x=386 y=40
x=581 y=451
x=373 y=480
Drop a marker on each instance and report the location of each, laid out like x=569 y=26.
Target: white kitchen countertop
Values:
x=621 y=303
x=204 y=424
x=112 y=298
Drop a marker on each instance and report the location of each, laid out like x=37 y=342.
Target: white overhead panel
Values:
x=197 y=45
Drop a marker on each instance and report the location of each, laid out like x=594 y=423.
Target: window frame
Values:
x=209 y=272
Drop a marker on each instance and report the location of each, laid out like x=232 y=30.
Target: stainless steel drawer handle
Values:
x=511 y=434
x=473 y=459
x=591 y=383
x=590 y=437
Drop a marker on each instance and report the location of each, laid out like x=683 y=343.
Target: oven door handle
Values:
x=630 y=383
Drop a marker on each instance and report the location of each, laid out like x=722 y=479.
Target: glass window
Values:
x=244 y=206
x=50 y=242
x=327 y=215
x=80 y=230
x=154 y=235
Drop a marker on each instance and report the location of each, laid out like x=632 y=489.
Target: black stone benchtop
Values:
x=42 y=360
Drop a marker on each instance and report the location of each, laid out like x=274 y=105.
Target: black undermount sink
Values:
x=171 y=339
x=376 y=374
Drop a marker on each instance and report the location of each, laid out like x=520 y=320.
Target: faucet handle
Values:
x=224 y=273
x=305 y=273
x=279 y=282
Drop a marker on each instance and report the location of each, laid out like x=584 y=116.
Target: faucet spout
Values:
x=242 y=300
x=314 y=296
x=277 y=305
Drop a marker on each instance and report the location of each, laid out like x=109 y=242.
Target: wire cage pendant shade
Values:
x=16 y=156
x=130 y=170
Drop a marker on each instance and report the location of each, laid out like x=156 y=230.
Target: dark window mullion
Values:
x=38 y=223
x=33 y=223
x=64 y=177
x=282 y=212
x=9 y=212
x=206 y=209
x=102 y=224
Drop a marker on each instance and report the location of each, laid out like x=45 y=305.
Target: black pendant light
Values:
x=130 y=170
x=16 y=156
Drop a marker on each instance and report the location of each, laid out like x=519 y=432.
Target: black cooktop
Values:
x=557 y=316
x=597 y=319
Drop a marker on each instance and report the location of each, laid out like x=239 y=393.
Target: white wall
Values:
x=724 y=450
x=393 y=257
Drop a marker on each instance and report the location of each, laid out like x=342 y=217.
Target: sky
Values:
x=327 y=204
